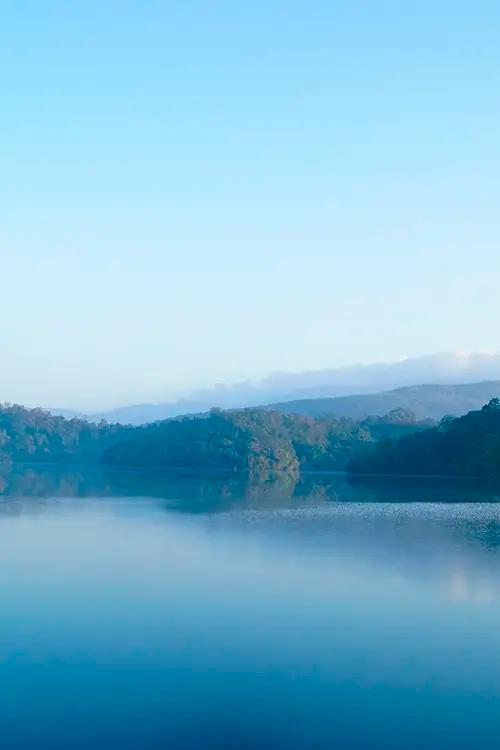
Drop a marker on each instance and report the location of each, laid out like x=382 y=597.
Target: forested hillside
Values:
x=467 y=446
x=37 y=435
x=256 y=442
x=260 y=443
x=250 y=441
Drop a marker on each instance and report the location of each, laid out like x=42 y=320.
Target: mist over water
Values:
x=200 y=612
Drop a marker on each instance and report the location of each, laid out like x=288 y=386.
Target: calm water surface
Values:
x=147 y=611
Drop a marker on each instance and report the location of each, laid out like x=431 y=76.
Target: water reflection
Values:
x=216 y=491
x=435 y=530
x=155 y=610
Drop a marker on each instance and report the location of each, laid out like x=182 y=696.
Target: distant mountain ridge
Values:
x=446 y=369
x=425 y=401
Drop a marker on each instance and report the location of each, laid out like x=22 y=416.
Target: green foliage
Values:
x=248 y=441
x=395 y=424
x=36 y=435
x=261 y=444
x=467 y=446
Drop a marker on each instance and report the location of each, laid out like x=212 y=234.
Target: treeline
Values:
x=36 y=435
x=464 y=446
x=261 y=444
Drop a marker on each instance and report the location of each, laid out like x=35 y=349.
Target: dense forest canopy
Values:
x=262 y=444
x=466 y=446
x=37 y=435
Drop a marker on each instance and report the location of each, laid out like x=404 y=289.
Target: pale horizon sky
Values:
x=197 y=193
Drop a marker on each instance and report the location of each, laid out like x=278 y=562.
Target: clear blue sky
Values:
x=205 y=191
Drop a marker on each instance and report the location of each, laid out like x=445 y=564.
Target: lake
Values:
x=171 y=611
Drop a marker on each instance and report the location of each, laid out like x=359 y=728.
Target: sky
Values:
x=198 y=192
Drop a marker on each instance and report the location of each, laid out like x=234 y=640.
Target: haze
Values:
x=198 y=192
